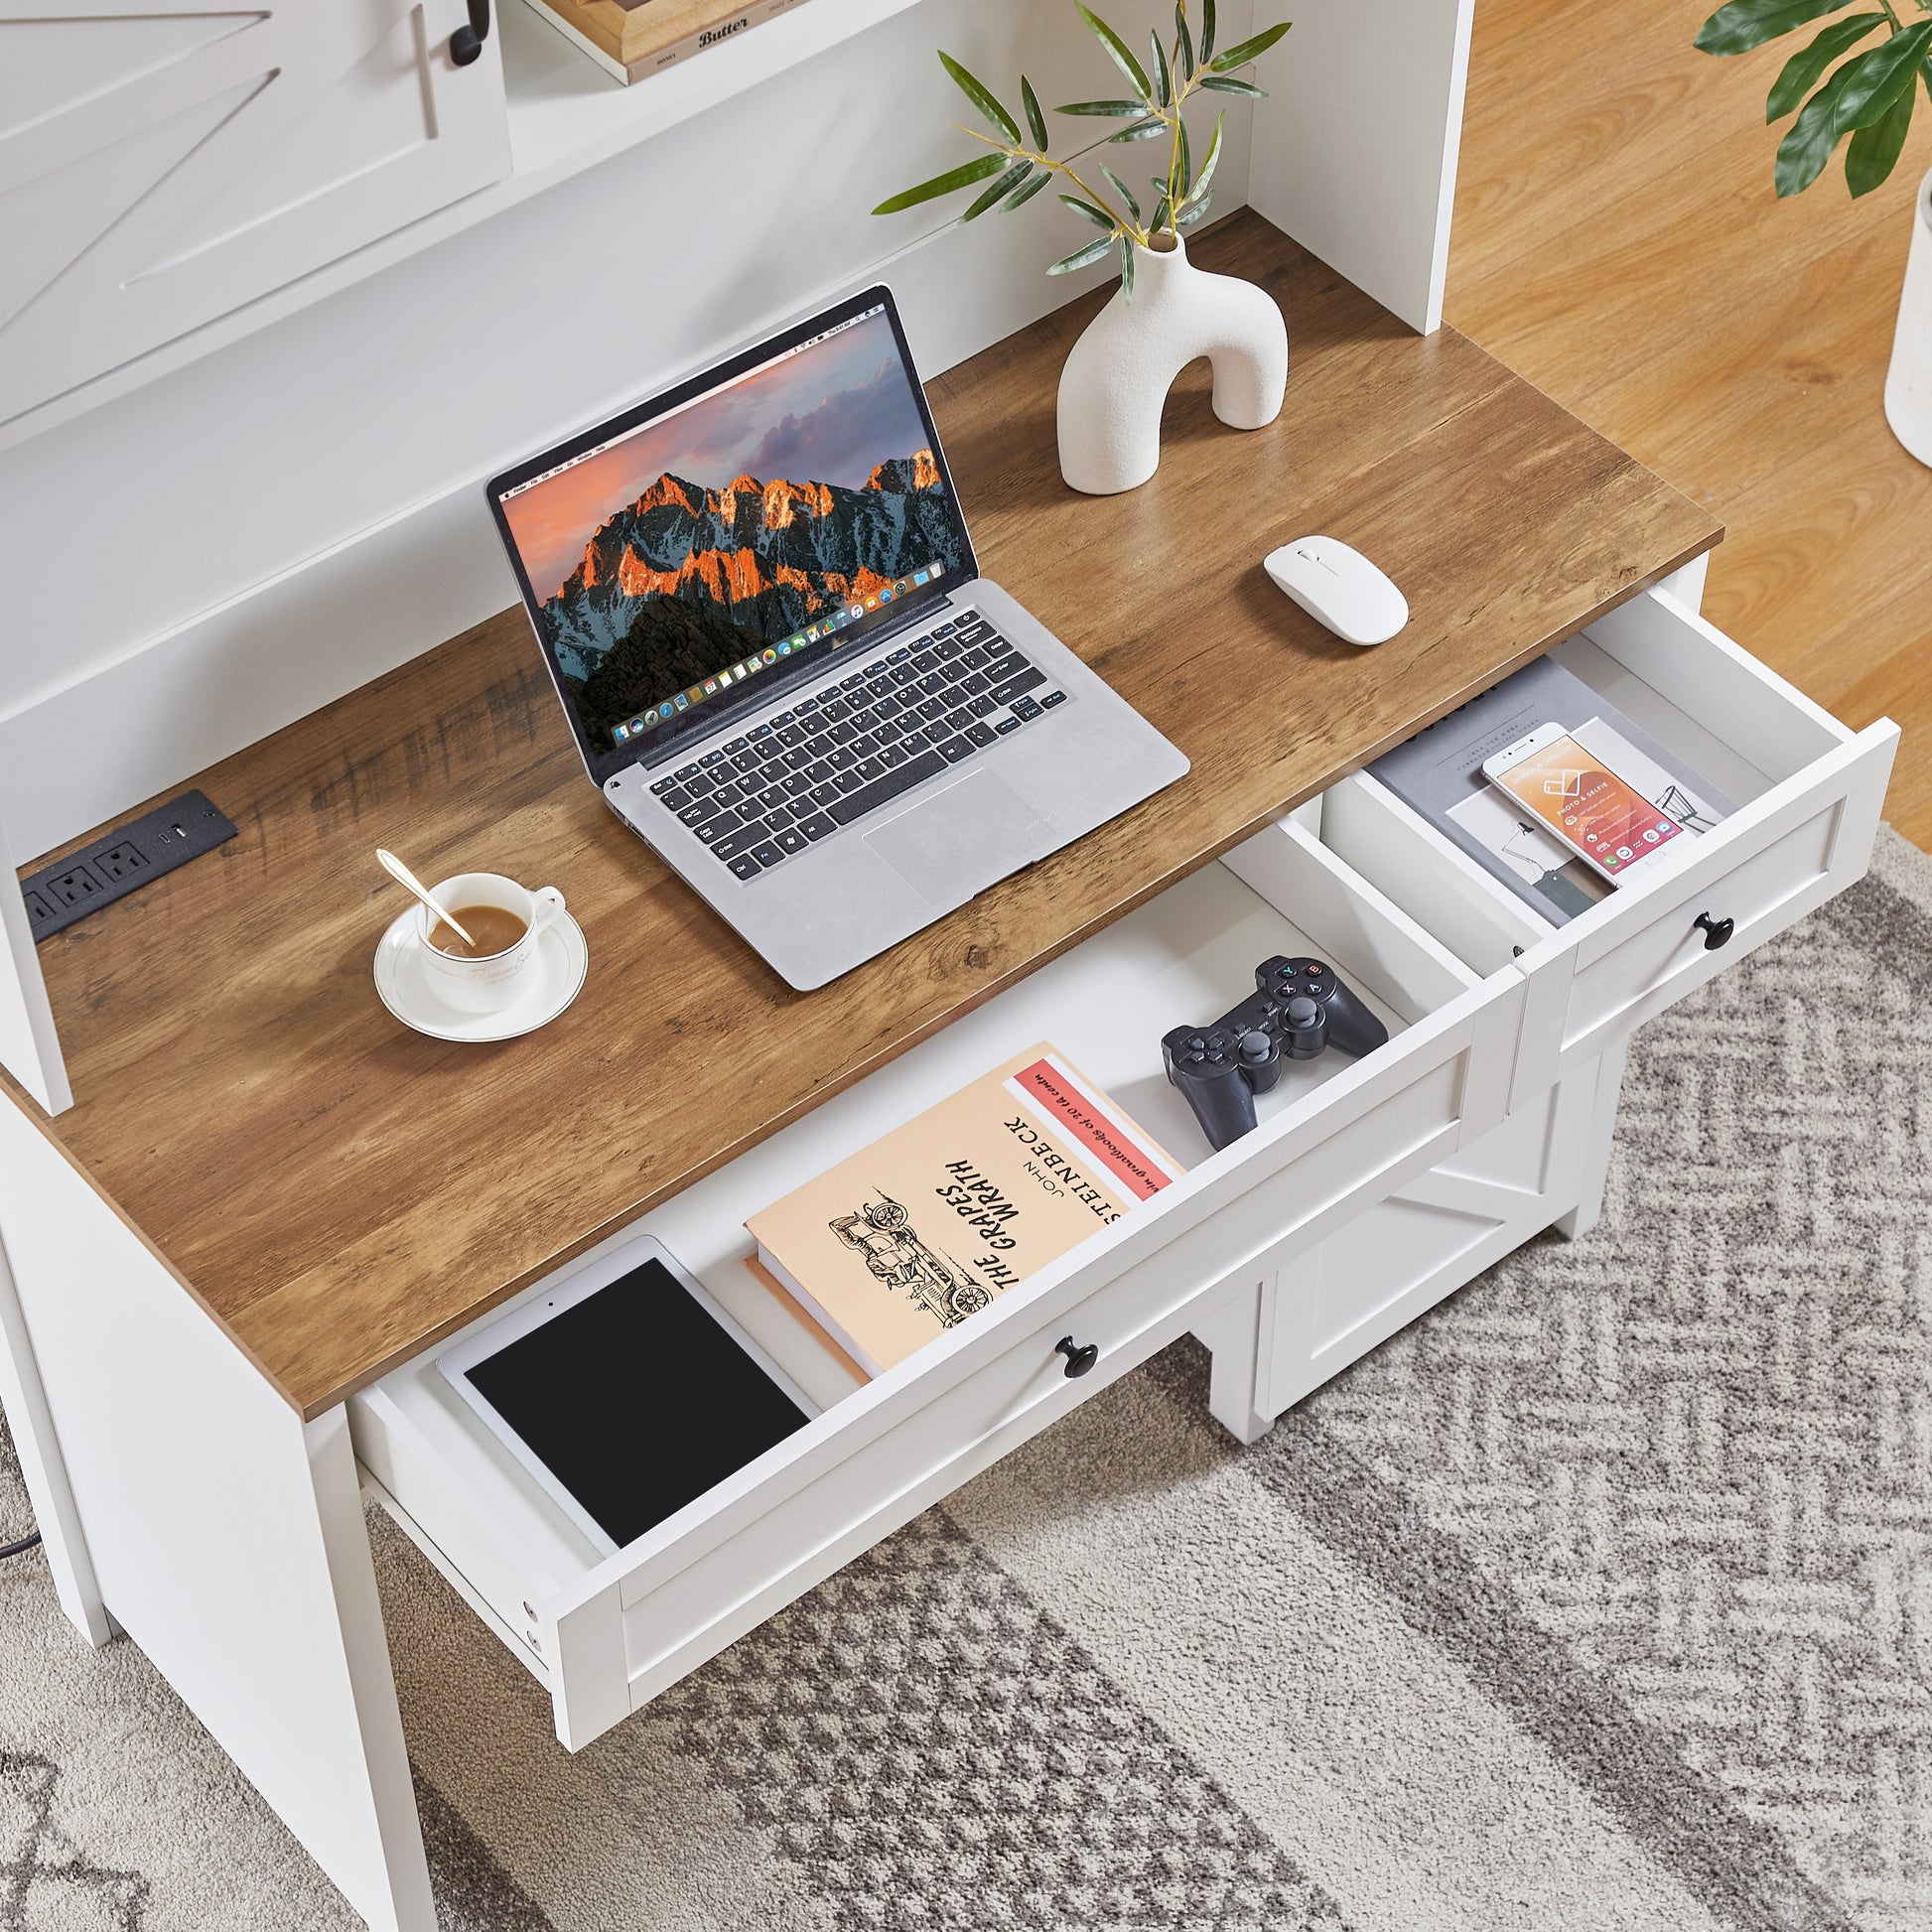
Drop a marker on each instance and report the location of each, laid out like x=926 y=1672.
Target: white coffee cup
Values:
x=486 y=985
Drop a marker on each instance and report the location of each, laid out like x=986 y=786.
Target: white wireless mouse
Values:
x=1339 y=587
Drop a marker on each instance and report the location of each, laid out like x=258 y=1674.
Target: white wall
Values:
x=250 y=536
x=1363 y=172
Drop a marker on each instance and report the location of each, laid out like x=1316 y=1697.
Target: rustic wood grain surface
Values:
x=341 y=1193
x=1618 y=241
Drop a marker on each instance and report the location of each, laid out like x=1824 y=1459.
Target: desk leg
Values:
x=226 y=1534
x=55 y=1515
x=1231 y=1332
x=1597 y=1150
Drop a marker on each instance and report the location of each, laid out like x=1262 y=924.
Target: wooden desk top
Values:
x=341 y=1193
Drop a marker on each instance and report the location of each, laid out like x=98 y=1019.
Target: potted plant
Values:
x=1865 y=100
x=1165 y=312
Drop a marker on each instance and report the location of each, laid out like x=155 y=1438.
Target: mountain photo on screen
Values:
x=732 y=523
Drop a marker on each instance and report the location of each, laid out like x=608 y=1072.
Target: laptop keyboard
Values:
x=857 y=744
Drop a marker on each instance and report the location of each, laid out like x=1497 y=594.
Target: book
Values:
x=921 y=1230
x=635 y=37
x=1439 y=774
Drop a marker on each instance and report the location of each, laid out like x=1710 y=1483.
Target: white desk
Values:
x=204 y=1368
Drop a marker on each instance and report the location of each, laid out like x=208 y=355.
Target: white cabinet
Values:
x=161 y=165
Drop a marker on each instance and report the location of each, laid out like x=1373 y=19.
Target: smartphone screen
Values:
x=1612 y=824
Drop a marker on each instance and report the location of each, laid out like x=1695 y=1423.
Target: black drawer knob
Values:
x=466 y=44
x=1078 y=1360
x=1716 y=932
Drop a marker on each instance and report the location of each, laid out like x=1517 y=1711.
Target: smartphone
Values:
x=1604 y=819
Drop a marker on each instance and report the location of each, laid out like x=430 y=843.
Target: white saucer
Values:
x=403 y=983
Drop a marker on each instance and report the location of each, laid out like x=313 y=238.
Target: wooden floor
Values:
x=1618 y=242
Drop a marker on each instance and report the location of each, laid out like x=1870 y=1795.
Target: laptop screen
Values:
x=690 y=558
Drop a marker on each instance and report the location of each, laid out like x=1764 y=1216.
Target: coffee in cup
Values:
x=505 y=920
x=492 y=929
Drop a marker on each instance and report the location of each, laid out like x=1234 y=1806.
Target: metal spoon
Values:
x=397 y=869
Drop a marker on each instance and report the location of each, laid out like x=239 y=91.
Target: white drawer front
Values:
x=1640 y=963
x=1775 y=859
x=683 y=1608
x=1808 y=795
x=608 y=1635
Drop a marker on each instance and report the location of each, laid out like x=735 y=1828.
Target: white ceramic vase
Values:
x=1908 y=388
x=1122 y=368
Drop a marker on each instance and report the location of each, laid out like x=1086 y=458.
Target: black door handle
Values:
x=466 y=42
x=1716 y=932
x=1078 y=1360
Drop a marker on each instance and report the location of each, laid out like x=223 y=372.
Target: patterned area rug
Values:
x=1601 y=1597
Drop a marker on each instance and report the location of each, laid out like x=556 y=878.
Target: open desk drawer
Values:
x=606 y=1635
x=1808 y=793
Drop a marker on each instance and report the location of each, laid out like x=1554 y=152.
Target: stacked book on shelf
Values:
x=921 y=1230
x=635 y=37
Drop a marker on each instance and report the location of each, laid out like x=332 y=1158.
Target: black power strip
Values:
x=123 y=862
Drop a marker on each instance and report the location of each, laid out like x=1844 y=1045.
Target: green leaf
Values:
x=1745 y=24
x=1127 y=266
x=1183 y=174
x=1222 y=84
x=1801 y=71
x=1035 y=121
x=1875 y=150
x=1183 y=42
x=1162 y=208
x=1188 y=217
x=954 y=178
x=1253 y=49
x=1121 y=52
x=1810 y=138
x=996 y=115
x=1141 y=131
x=1198 y=193
x=1000 y=190
x=1080 y=257
x=1206 y=30
x=1041 y=176
x=1097 y=216
x=1162 y=73
x=1117 y=110
x=1878 y=79
x=1125 y=193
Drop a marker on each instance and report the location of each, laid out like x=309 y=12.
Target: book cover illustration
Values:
x=881 y=1231
x=892 y=1247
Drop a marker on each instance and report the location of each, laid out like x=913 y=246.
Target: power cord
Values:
x=25 y=1544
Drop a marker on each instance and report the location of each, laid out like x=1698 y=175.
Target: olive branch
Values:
x=1017 y=168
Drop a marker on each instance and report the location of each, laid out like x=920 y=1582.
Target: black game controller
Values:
x=1298 y=1008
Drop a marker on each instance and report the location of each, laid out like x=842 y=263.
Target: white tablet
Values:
x=626 y=1391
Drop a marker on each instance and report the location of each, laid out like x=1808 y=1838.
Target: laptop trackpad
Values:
x=959 y=841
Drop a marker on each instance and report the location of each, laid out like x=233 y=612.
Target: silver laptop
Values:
x=759 y=605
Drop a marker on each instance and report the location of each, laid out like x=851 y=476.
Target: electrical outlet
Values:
x=120 y=861
x=127 y=859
